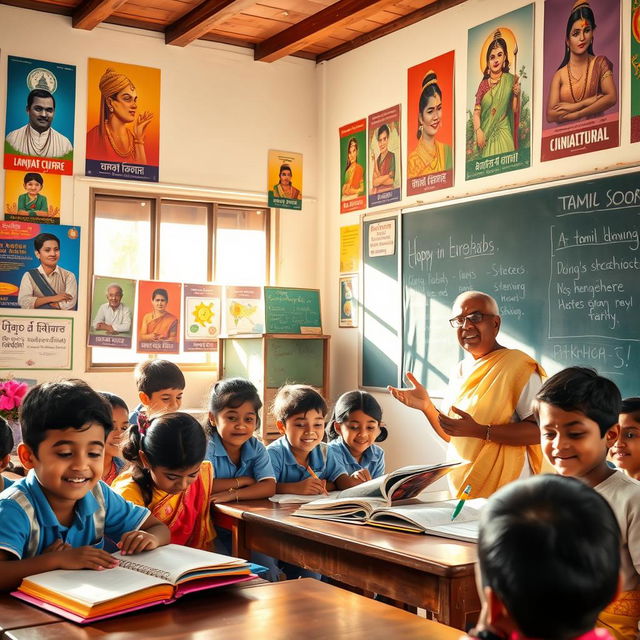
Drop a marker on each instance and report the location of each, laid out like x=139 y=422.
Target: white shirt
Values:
x=48 y=144
x=119 y=318
x=61 y=281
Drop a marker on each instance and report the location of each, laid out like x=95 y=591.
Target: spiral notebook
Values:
x=144 y=580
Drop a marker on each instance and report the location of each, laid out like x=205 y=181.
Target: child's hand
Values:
x=58 y=545
x=136 y=542
x=312 y=486
x=362 y=475
x=224 y=496
x=85 y=558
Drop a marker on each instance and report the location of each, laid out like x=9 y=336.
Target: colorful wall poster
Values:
x=123 y=121
x=32 y=197
x=635 y=71
x=499 y=88
x=244 y=310
x=111 y=315
x=202 y=307
x=348 y=317
x=284 y=178
x=349 y=248
x=430 y=125
x=38 y=342
x=353 y=166
x=41 y=99
x=158 y=320
x=385 y=176
x=581 y=77
x=39 y=265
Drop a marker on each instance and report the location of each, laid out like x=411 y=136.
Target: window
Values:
x=158 y=238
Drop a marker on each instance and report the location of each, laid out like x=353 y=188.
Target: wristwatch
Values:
x=485 y=634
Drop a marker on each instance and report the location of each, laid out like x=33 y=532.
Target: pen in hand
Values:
x=463 y=496
x=313 y=474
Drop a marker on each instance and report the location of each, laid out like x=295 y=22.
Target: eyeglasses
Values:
x=474 y=318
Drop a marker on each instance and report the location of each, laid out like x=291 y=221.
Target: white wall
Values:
x=220 y=113
x=374 y=77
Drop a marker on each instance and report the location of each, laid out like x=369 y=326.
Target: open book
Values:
x=143 y=580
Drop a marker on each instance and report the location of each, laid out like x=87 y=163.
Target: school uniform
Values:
x=28 y=524
x=254 y=459
x=324 y=462
x=5 y=483
x=372 y=458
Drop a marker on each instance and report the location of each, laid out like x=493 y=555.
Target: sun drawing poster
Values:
x=499 y=88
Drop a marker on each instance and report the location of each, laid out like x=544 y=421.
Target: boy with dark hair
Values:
x=577 y=411
x=626 y=451
x=160 y=386
x=548 y=560
x=57 y=517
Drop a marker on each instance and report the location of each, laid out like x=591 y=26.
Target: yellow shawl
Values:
x=621 y=617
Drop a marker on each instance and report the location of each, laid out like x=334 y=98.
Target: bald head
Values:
x=479 y=319
x=488 y=302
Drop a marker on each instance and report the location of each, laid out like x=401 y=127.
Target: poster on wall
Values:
x=202 y=306
x=499 y=88
x=385 y=177
x=581 y=77
x=244 y=310
x=158 y=316
x=41 y=98
x=111 y=315
x=635 y=71
x=123 y=121
x=284 y=179
x=348 y=301
x=349 y=248
x=39 y=266
x=32 y=197
x=36 y=342
x=430 y=125
x=353 y=166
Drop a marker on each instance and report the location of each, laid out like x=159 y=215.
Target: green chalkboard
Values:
x=563 y=263
x=287 y=310
x=294 y=361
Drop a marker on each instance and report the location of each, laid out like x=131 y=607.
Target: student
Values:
x=32 y=202
x=168 y=474
x=113 y=462
x=626 y=450
x=302 y=463
x=6 y=447
x=160 y=386
x=548 y=561
x=61 y=507
x=354 y=427
x=577 y=411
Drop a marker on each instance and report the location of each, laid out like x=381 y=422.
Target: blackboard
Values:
x=381 y=325
x=287 y=310
x=563 y=263
x=294 y=361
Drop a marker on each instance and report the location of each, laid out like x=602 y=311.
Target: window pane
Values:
x=241 y=246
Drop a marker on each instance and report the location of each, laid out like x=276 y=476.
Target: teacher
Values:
x=486 y=414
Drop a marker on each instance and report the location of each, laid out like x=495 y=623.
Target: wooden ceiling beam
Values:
x=202 y=19
x=395 y=25
x=90 y=13
x=316 y=27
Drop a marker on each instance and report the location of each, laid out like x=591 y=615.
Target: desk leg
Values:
x=458 y=602
x=238 y=540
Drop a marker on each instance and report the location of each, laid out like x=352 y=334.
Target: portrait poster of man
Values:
x=123 y=121
x=30 y=196
x=202 y=314
x=353 y=166
x=41 y=99
x=385 y=176
x=111 y=315
x=499 y=92
x=581 y=77
x=39 y=266
x=635 y=71
x=430 y=125
x=158 y=319
x=284 y=179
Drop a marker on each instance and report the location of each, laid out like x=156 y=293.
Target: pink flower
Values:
x=11 y=394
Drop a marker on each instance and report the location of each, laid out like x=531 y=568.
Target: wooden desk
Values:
x=433 y=573
x=15 y=614
x=298 y=609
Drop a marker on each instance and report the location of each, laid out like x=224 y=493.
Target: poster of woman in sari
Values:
x=635 y=71
x=430 y=150
x=353 y=166
x=498 y=128
x=581 y=68
x=159 y=316
x=123 y=121
x=385 y=177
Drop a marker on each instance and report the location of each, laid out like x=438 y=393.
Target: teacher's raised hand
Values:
x=415 y=396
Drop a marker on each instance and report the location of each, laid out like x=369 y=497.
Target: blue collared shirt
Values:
x=254 y=459
x=372 y=458
x=322 y=460
x=28 y=524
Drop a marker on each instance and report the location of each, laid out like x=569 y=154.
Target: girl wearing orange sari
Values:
x=168 y=475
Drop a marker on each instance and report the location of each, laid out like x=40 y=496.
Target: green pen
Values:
x=465 y=496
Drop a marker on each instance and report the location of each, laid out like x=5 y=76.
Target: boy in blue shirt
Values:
x=160 y=386
x=57 y=517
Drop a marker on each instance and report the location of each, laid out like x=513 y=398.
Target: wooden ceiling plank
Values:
x=316 y=27
x=202 y=19
x=38 y=5
x=90 y=13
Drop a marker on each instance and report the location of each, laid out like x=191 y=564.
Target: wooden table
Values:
x=433 y=573
x=298 y=609
x=15 y=614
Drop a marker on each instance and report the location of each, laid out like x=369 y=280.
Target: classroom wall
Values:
x=220 y=113
x=374 y=77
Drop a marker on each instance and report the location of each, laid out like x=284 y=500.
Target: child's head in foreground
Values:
x=577 y=411
x=160 y=386
x=548 y=558
x=626 y=451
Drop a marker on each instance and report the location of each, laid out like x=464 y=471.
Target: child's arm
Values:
x=307 y=487
x=262 y=489
x=152 y=534
x=220 y=485
x=345 y=481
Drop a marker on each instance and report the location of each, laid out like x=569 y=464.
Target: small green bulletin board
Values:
x=287 y=310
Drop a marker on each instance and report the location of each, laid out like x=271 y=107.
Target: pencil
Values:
x=313 y=474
